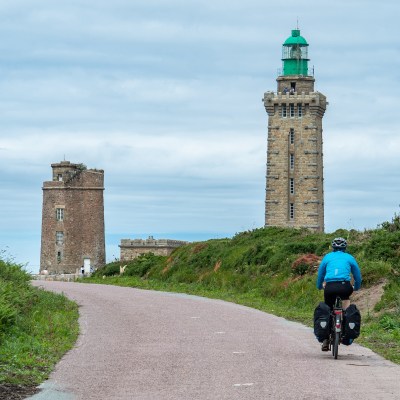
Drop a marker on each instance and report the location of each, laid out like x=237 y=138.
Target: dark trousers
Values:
x=343 y=289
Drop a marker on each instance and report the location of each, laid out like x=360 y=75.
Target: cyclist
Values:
x=334 y=275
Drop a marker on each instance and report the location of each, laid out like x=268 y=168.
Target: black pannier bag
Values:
x=322 y=318
x=352 y=324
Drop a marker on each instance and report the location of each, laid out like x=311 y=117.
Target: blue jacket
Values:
x=338 y=266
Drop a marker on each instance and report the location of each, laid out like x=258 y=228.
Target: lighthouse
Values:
x=294 y=172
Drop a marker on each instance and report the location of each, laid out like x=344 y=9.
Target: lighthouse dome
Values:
x=295 y=39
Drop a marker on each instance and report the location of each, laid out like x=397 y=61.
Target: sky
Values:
x=166 y=97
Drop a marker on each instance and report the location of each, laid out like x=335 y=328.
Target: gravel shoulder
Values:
x=147 y=345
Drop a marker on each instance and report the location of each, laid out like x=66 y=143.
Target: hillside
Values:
x=274 y=269
x=36 y=329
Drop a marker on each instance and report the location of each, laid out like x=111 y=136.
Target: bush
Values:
x=394 y=225
x=110 y=269
x=15 y=291
x=305 y=264
x=384 y=245
x=141 y=265
x=373 y=271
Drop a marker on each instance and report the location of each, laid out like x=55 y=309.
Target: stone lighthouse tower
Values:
x=73 y=220
x=294 y=190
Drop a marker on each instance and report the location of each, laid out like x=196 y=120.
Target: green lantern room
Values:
x=295 y=55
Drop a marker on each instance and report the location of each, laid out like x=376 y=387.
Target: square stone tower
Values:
x=294 y=189
x=73 y=220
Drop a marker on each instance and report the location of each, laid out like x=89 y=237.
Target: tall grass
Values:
x=36 y=328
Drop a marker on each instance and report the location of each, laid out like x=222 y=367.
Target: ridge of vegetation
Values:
x=274 y=270
x=36 y=329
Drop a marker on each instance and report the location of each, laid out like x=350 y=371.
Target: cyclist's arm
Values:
x=355 y=270
x=321 y=274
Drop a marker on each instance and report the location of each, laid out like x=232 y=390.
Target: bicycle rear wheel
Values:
x=335 y=345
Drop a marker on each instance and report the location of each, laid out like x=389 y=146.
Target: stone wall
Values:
x=294 y=179
x=130 y=249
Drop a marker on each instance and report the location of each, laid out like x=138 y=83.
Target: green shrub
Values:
x=141 y=265
x=391 y=297
x=384 y=245
x=373 y=271
x=299 y=247
x=110 y=269
x=394 y=225
x=390 y=322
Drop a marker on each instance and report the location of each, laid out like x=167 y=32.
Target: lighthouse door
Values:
x=86 y=266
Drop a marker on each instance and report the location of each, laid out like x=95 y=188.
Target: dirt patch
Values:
x=17 y=392
x=366 y=299
x=199 y=247
x=168 y=266
x=306 y=263
x=217 y=265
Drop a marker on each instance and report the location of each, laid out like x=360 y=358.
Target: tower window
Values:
x=299 y=110
x=291 y=134
x=59 y=177
x=291 y=110
x=291 y=161
x=291 y=184
x=59 y=256
x=284 y=111
x=59 y=214
x=291 y=210
x=59 y=237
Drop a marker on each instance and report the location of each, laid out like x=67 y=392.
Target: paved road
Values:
x=147 y=345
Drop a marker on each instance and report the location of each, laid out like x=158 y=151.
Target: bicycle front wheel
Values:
x=335 y=346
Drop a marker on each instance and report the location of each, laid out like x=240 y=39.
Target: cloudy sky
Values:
x=165 y=96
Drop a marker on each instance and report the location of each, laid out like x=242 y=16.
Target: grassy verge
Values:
x=274 y=270
x=36 y=328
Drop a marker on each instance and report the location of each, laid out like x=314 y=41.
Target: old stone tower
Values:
x=73 y=220
x=294 y=190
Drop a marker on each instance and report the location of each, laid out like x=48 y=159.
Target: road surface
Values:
x=148 y=345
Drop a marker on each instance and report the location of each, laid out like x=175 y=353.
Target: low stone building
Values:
x=130 y=249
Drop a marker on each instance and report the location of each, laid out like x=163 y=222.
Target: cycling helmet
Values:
x=339 y=243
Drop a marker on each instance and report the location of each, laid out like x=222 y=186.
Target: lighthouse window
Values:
x=284 y=111
x=291 y=210
x=291 y=186
x=291 y=110
x=299 y=110
x=291 y=161
x=291 y=134
x=59 y=214
x=59 y=237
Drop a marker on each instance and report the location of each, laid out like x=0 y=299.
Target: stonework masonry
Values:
x=130 y=249
x=294 y=189
x=72 y=220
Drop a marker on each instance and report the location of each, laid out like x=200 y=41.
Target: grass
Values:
x=36 y=328
x=274 y=270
